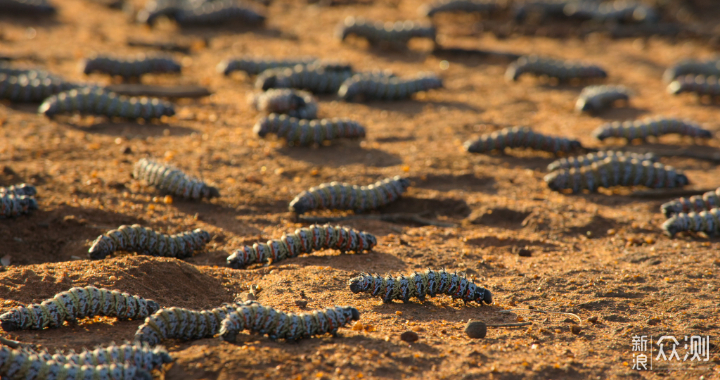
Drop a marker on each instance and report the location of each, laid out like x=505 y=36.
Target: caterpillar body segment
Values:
x=591 y=158
x=521 y=137
x=377 y=87
x=32 y=7
x=700 y=85
x=642 y=129
x=130 y=67
x=14 y=71
x=219 y=12
x=135 y=354
x=316 y=80
x=294 y=103
x=343 y=196
x=74 y=304
x=304 y=240
x=22 y=88
x=563 y=71
x=255 y=66
x=143 y=240
x=710 y=67
x=615 y=171
x=96 y=101
x=19 y=189
x=696 y=203
x=597 y=98
x=12 y=205
x=169 y=179
x=288 y=326
x=419 y=285
x=308 y=132
x=705 y=221
x=375 y=32
x=459 y=6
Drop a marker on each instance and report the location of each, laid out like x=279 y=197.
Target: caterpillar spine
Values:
x=521 y=137
x=696 y=203
x=97 y=101
x=294 y=103
x=172 y=180
x=590 y=158
x=74 y=304
x=387 y=88
x=19 y=189
x=704 y=221
x=308 y=132
x=136 y=354
x=465 y=6
x=642 y=129
x=700 y=85
x=343 y=196
x=12 y=205
x=375 y=32
x=563 y=71
x=130 y=67
x=316 y=80
x=597 y=98
x=254 y=66
x=29 y=90
x=218 y=12
x=143 y=240
x=692 y=67
x=418 y=285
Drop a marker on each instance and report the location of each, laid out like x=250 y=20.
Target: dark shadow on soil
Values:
x=500 y=217
x=491 y=241
x=447 y=182
x=130 y=130
x=598 y=226
x=414 y=107
x=621 y=113
x=341 y=155
x=438 y=207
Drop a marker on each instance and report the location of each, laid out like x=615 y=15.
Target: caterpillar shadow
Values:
x=449 y=182
x=341 y=155
x=449 y=207
x=415 y=107
x=219 y=215
x=627 y=112
x=131 y=130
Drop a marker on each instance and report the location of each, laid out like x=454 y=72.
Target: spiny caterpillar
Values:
x=172 y=180
x=135 y=354
x=308 y=132
x=419 y=285
x=304 y=240
x=32 y=7
x=184 y=324
x=289 y=326
x=696 y=203
x=74 y=304
x=521 y=137
x=563 y=71
x=96 y=101
x=130 y=67
x=704 y=221
x=657 y=126
x=254 y=66
x=19 y=189
x=12 y=205
x=616 y=171
x=692 y=67
x=597 y=98
x=343 y=196
x=137 y=238
x=316 y=80
x=22 y=88
x=700 y=85
x=218 y=12
x=291 y=102
x=387 y=88
x=465 y=6
x=375 y=32
x=590 y=158
x=13 y=71
x=155 y=9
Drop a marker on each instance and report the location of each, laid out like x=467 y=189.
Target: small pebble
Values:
x=409 y=336
x=524 y=253
x=301 y=303
x=476 y=329
x=653 y=321
x=575 y=329
x=593 y=319
x=127 y=150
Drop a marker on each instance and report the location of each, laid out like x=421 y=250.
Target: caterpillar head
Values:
x=350 y=90
x=558 y=180
x=213 y=192
x=601 y=133
x=152 y=306
x=671 y=208
x=301 y=204
x=358 y=284
x=681 y=180
x=9 y=320
x=671 y=226
x=483 y=295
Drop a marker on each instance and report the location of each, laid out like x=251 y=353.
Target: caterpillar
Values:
x=616 y=171
x=254 y=66
x=184 y=324
x=289 y=326
x=375 y=32
x=171 y=180
x=465 y=6
x=692 y=67
x=136 y=354
x=316 y=80
x=155 y=9
x=74 y=304
x=96 y=101
x=596 y=98
x=704 y=221
x=546 y=8
x=19 y=189
x=387 y=88
x=137 y=238
x=13 y=71
x=657 y=126
x=696 y=203
x=304 y=240
x=590 y=158
x=12 y=205
x=294 y=103
x=31 y=90
x=521 y=137
x=130 y=67
x=218 y=12
x=616 y=11
x=307 y=132
x=700 y=85
x=32 y=7
x=343 y=196
x=418 y=285
x=563 y=71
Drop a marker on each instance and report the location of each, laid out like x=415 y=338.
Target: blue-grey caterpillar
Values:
x=308 y=132
x=692 y=67
x=172 y=180
x=155 y=9
x=22 y=88
x=184 y=324
x=294 y=103
x=521 y=137
x=74 y=304
x=464 y=6
x=614 y=171
x=696 y=203
x=316 y=80
x=429 y=282
x=597 y=98
x=218 y=12
x=590 y=158
x=96 y=101
x=12 y=205
x=289 y=326
x=615 y=11
x=343 y=196
x=304 y=240
x=135 y=354
x=387 y=88
x=32 y=7
x=563 y=71
x=254 y=66
x=13 y=71
x=704 y=221
x=657 y=126
x=700 y=85
x=130 y=67
x=375 y=32
x=137 y=238
x=19 y=189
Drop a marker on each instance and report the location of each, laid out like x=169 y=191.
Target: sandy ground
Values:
x=599 y=256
